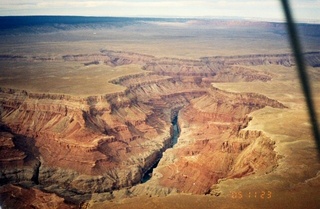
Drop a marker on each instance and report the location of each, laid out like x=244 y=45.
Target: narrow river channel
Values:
x=174 y=140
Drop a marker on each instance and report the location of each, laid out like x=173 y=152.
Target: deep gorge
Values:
x=105 y=143
x=174 y=139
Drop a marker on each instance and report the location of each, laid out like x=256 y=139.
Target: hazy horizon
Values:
x=304 y=10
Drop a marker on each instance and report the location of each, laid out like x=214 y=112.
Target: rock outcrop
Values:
x=214 y=145
x=203 y=66
x=18 y=158
x=85 y=145
x=18 y=197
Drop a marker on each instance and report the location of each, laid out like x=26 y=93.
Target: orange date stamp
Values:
x=262 y=195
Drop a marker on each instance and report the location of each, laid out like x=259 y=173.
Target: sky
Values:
x=304 y=10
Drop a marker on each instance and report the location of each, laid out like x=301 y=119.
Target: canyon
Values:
x=191 y=126
x=75 y=146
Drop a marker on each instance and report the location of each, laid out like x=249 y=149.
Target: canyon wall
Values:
x=84 y=145
x=214 y=145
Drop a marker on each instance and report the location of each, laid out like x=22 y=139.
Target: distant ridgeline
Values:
x=12 y=22
x=40 y=24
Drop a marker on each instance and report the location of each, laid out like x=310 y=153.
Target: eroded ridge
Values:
x=214 y=143
x=102 y=143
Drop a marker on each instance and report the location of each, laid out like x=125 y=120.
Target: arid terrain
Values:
x=156 y=113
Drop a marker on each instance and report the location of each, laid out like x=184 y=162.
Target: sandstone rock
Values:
x=16 y=163
x=18 y=197
x=209 y=148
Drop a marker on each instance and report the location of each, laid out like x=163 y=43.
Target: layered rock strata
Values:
x=214 y=145
x=83 y=145
x=76 y=146
x=116 y=58
x=18 y=197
